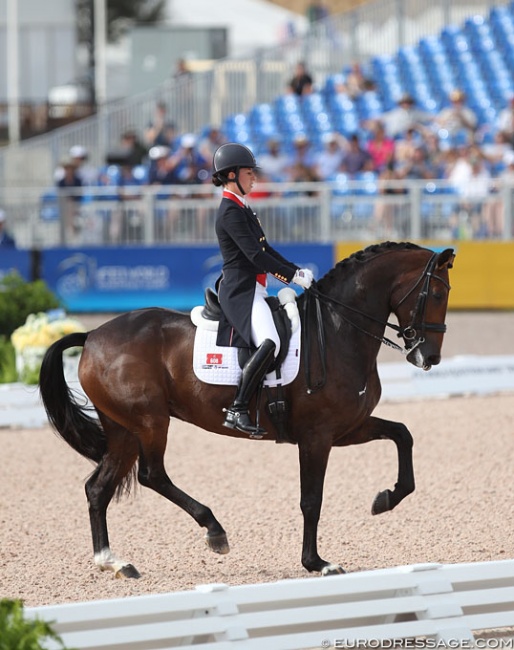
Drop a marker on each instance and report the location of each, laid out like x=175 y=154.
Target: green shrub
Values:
x=7 y=362
x=18 y=299
x=19 y=633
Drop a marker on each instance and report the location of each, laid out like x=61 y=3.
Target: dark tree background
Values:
x=121 y=16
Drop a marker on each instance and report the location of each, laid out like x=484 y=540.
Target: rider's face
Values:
x=247 y=179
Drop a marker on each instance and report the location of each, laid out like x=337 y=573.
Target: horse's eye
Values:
x=437 y=295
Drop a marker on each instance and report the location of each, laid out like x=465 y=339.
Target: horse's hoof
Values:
x=382 y=503
x=217 y=543
x=332 y=570
x=127 y=571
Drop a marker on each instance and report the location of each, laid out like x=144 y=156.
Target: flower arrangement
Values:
x=32 y=340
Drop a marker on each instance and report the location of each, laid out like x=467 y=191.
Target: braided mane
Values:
x=363 y=255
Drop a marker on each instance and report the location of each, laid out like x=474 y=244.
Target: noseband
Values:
x=413 y=334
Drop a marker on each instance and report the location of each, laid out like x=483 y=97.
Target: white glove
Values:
x=304 y=278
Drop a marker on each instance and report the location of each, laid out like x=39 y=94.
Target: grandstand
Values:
x=427 y=54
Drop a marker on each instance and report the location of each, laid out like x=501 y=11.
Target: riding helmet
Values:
x=233 y=156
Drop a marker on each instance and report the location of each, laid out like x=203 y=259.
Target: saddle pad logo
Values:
x=214 y=359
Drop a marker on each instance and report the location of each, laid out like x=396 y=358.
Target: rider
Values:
x=247 y=320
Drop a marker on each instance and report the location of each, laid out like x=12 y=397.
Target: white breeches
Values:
x=263 y=326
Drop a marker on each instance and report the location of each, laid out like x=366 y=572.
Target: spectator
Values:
x=380 y=148
x=87 y=173
x=274 y=163
x=405 y=145
x=457 y=119
x=182 y=73
x=301 y=82
x=415 y=167
x=69 y=196
x=187 y=165
x=404 y=117
x=356 y=83
x=302 y=159
x=6 y=241
x=210 y=142
x=160 y=131
x=471 y=181
x=505 y=123
x=132 y=150
x=357 y=159
x=329 y=160
x=494 y=217
x=184 y=94
x=388 y=210
x=495 y=151
x=159 y=172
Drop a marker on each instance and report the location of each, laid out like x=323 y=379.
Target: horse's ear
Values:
x=445 y=259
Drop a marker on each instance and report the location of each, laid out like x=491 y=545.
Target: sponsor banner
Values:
x=121 y=279
x=482 y=274
x=14 y=260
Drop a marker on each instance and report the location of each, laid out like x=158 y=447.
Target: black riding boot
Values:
x=237 y=416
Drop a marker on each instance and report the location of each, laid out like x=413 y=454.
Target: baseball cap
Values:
x=158 y=152
x=188 y=140
x=78 y=151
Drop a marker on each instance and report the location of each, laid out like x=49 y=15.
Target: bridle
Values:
x=413 y=334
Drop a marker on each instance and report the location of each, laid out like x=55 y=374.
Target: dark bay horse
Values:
x=137 y=371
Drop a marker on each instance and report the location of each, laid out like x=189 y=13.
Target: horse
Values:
x=136 y=370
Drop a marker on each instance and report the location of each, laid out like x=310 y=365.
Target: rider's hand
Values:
x=304 y=278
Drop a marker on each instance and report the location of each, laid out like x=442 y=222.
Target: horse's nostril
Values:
x=434 y=359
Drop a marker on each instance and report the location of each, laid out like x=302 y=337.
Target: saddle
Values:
x=281 y=317
x=287 y=320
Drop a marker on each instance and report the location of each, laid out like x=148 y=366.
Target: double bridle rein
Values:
x=413 y=334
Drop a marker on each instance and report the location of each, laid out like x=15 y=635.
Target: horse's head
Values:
x=420 y=301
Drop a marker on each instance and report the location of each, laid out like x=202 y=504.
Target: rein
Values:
x=409 y=333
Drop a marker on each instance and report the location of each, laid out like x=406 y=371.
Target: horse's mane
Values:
x=349 y=263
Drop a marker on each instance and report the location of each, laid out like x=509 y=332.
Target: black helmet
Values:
x=233 y=156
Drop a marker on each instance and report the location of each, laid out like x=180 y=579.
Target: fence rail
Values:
x=441 y=605
x=290 y=212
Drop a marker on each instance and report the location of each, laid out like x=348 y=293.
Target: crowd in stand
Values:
x=405 y=143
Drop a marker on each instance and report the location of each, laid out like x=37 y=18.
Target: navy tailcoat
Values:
x=246 y=254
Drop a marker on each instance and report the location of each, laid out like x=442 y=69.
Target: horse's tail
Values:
x=70 y=420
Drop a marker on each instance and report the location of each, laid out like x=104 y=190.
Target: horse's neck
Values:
x=360 y=308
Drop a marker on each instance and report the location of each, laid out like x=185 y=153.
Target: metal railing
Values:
x=233 y=86
x=365 y=210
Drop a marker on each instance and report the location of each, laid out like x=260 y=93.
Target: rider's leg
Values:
x=265 y=337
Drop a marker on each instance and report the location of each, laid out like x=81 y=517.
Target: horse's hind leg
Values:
x=152 y=474
x=100 y=488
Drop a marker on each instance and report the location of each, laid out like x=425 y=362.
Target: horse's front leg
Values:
x=400 y=435
x=314 y=453
x=377 y=429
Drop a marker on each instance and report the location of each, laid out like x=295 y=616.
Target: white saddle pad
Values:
x=219 y=365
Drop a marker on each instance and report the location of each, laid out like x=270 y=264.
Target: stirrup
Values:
x=239 y=419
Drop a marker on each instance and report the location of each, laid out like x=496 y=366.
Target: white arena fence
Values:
x=322 y=212
x=424 y=605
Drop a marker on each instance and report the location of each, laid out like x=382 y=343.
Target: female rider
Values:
x=247 y=320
